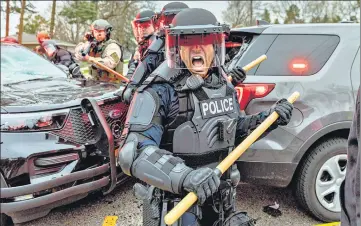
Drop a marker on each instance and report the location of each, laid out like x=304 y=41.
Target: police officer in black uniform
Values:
x=144 y=33
x=183 y=121
x=60 y=56
x=151 y=48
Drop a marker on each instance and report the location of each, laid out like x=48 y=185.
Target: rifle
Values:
x=92 y=43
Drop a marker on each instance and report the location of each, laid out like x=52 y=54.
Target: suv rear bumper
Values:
x=49 y=201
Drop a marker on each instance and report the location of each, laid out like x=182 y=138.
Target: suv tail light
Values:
x=248 y=92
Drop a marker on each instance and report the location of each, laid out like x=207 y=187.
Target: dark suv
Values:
x=51 y=154
x=322 y=62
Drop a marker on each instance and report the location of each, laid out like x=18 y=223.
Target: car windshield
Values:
x=19 y=64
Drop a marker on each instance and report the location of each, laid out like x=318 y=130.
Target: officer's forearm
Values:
x=131 y=69
x=246 y=124
x=155 y=166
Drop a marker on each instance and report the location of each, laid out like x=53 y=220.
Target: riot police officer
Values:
x=153 y=56
x=101 y=48
x=183 y=121
x=143 y=29
x=168 y=12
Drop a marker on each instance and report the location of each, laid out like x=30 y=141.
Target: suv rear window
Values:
x=295 y=55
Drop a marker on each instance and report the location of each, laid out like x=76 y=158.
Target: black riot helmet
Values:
x=195 y=40
x=166 y=15
x=143 y=25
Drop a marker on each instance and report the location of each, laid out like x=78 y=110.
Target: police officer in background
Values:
x=41 y=36
x=60 y=56
x=166 y=15
x=153 y=56
x=183 y=121
x=143 y=29
x=101 y=48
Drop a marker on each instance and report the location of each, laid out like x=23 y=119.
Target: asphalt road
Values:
x=92 y=210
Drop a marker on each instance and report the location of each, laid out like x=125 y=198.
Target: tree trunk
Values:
x=7 y=17
x=251 y=12
x=96 y=8
x=52 y=20
x=21 y=25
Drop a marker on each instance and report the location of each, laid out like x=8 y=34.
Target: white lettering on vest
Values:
x=224 y=102
x=205 y=108
x=219 y=110
x=212 y=108
x=230 y=101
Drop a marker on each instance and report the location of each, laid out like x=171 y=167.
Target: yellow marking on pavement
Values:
x=329 y=224
x=110 y=221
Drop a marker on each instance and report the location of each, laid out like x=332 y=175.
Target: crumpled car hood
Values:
x=48 y=93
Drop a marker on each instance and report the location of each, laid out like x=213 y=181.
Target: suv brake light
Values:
x=248 y=92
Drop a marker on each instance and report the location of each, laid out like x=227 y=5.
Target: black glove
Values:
x=204 y=182
x=238 y=75
x=284 y=110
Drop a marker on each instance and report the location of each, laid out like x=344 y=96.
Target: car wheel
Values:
x=319 y=179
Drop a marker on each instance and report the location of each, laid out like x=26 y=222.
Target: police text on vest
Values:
x=215 y=107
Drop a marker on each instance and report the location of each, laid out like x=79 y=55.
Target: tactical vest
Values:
x=204 y=129
x=102 y=75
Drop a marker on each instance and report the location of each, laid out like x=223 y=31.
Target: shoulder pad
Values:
x=143 y=107
x=156 y=45
x=163 y=72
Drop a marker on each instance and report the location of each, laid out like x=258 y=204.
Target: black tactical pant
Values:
x=218 y=210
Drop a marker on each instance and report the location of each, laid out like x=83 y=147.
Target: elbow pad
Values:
x=161 y=169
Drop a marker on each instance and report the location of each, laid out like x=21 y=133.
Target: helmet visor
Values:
x=142 y=29
x=165 y=20
x=196 y=52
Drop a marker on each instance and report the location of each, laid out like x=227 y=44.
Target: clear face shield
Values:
x=165 y=20
x=142 y=29
x=195 y=52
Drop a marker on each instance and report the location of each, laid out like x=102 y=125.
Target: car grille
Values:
x=78 y=128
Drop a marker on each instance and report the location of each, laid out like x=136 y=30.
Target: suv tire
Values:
x=310 y=176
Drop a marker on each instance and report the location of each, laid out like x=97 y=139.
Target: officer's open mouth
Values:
x=197 y=61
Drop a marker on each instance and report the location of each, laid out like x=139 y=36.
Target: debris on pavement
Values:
x=273 y=210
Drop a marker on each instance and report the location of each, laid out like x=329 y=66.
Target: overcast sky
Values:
x=216 y=7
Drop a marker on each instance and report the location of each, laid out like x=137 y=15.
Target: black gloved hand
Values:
x=238 y=75
x=204 y=182
x=284 y=110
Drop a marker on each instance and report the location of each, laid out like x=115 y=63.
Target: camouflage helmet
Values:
x=101 y=24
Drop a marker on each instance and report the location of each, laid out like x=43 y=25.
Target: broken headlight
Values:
x=28 y=122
